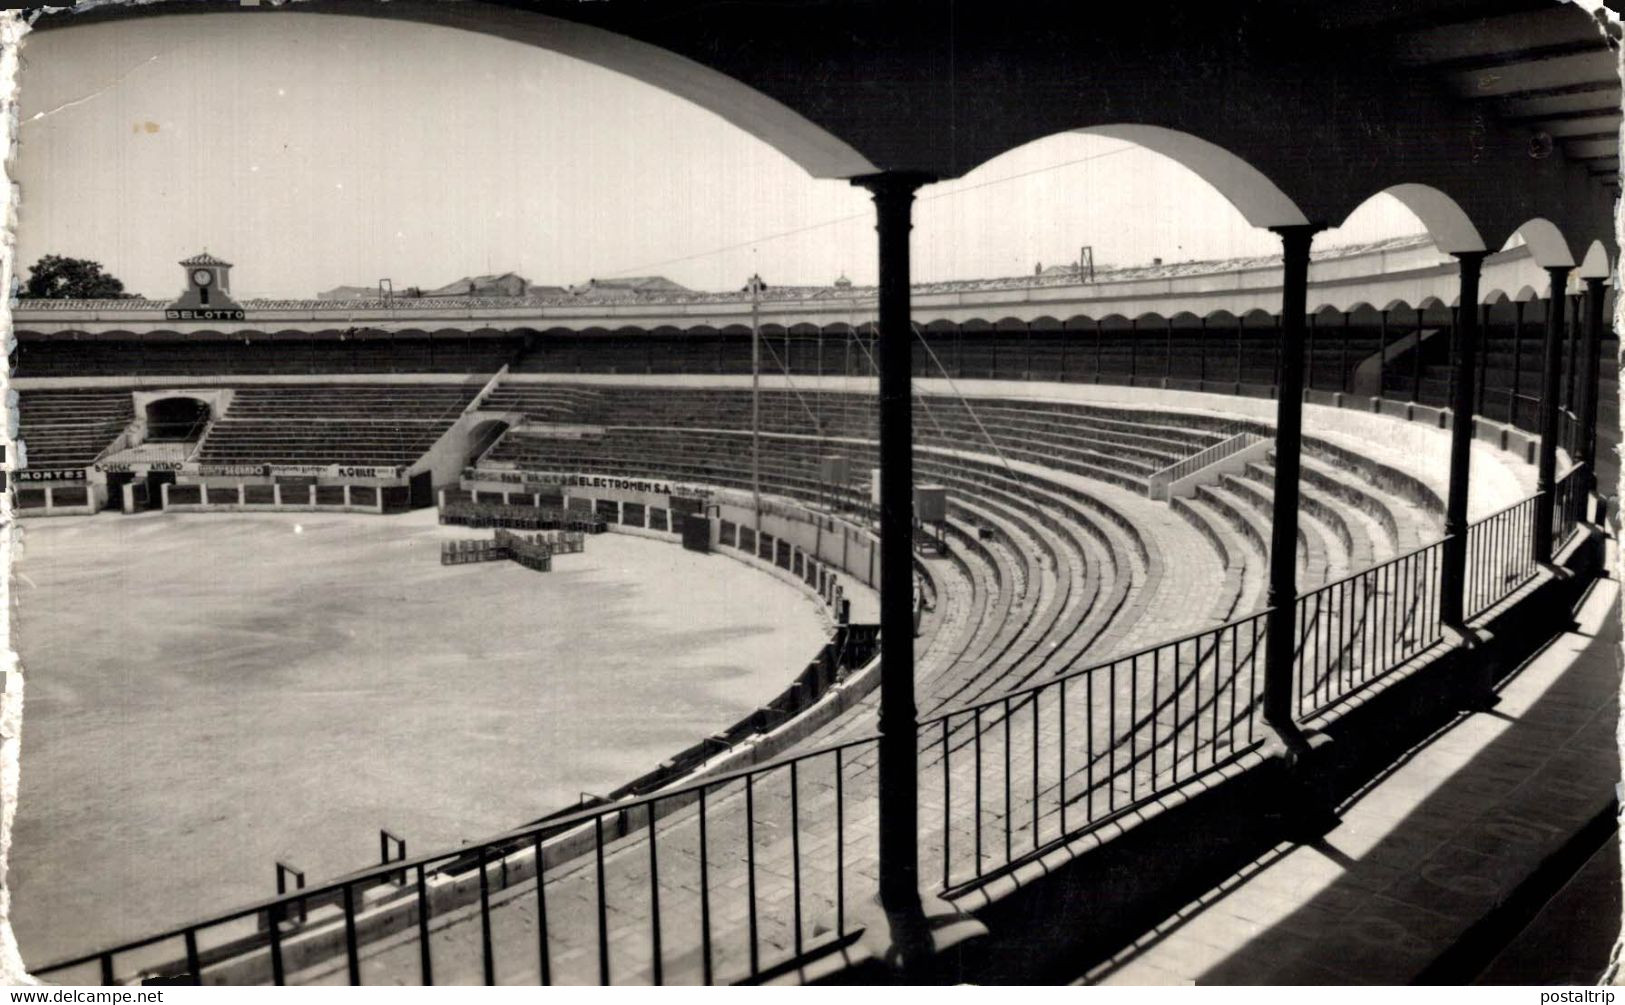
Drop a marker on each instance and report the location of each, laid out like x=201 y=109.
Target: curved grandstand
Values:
x=1090 y=598
x=1154 y=607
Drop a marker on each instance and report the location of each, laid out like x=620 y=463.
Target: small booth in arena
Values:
x=930 y=513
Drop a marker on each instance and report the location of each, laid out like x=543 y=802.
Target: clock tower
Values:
x=207 y=296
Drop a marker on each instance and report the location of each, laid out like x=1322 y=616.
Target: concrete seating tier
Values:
x=1109 y=562
x=1076 y=568
x=259 y=354
x=68 y=429
x=540 y=402
x=376 y=424
x=1020 y=595
x=1115 y=445
x=1115 y=353
x=1243 y=572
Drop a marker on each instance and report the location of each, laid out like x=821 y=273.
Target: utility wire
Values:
x=864 y=216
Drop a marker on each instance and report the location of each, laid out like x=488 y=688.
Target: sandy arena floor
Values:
x=209 y=694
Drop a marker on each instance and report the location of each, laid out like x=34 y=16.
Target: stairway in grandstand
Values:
x=67 y=429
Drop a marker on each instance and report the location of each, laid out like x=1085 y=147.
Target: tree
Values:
x=58 y=277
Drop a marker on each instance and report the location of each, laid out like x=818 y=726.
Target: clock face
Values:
x=202 y=277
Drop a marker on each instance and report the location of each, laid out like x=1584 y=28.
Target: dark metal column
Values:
x=1343 y=357
x=1514 y=408
x=1571 y=361
x=1382 y=357
x=1416 y=360
x=899 y=773
x=1483 y=356
x=1283 y=585
x=1239 y=367
x=1168 y=351
x=1589 y=388
x=1453 y=574
x=1455 y=334
x=1278 y=336
x=1309 y=364
x=1201 y=342
x=1550 y=387
x=1133 y=348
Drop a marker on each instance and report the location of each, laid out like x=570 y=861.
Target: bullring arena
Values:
x=1057 y=564
x=1223 y=621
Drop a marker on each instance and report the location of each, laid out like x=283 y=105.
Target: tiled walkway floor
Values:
x=1423 y=854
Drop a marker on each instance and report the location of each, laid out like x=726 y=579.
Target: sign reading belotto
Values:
x=203 y=314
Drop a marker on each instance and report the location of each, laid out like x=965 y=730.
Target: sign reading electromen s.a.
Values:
x=568 y=479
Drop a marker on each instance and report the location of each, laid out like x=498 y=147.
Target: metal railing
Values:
x=1500 y=556
x=1570 y=495
x=1003 y=780
x=1159 y=481
x=1356 y=629
x=314 y=932
x=1037 y=766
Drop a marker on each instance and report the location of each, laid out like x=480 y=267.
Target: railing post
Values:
x=1453 y=574
x=1551 y=386
x=1279 y=652
x=1590 y=388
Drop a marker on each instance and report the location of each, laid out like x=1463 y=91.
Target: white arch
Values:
x=1546 y=243
x=818 y=152
x=1259 y=200
x=1595 y=263
x=1446 y=222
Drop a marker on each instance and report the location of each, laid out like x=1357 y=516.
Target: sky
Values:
x=314 y=151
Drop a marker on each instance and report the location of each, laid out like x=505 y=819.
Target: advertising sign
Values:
x=203 y=314
x=583 y=480
x=49 y=475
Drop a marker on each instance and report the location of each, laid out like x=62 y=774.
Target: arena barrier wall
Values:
x=346 y=498
x=75 y=499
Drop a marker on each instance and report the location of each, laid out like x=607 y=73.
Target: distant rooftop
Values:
x=659 y=290
x=205 y=259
